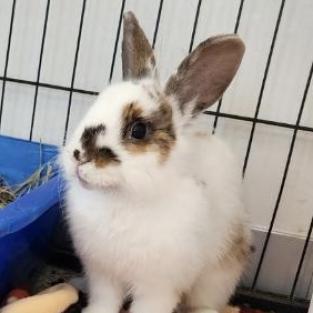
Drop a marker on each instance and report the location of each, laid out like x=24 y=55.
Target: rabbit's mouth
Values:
x=82 y=180
x=90 y=180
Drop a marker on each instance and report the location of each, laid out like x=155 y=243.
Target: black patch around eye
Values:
x=139 y=130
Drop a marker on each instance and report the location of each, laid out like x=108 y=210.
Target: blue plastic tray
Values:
x=26 y=224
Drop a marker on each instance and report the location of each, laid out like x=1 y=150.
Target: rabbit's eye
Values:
x=139 y=130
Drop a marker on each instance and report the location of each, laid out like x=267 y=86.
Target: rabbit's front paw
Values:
x=94 y=309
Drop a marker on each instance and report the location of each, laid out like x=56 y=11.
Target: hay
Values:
x=9 y=194
x=6 y=196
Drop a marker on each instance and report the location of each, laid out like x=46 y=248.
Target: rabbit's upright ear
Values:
x=204 y=74
x=137 y=55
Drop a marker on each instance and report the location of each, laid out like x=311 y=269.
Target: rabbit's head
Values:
x=132 y=131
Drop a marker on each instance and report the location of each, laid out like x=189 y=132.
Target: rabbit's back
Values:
x=211 y=164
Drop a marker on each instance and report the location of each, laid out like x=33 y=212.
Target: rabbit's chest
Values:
x=156 y=236
x=139 y=230
x=132 y=247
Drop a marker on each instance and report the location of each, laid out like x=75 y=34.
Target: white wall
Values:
x=287 y=75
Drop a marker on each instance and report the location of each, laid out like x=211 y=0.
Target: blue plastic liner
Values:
x=27 y=223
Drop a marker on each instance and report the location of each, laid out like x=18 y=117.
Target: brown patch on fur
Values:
x=137 y=55
x=102 y=156
x=89 y=136
x=239 y=249
x=160 y=133
x=105 y=156
x=130 y=114
x=182 y=305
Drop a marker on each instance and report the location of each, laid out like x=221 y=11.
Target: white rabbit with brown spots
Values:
x=154 y=203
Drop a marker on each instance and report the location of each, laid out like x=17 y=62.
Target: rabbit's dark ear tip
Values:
x=238 y=42
x=233 y=41
x=129 y=17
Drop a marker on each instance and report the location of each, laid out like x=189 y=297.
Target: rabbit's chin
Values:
x=88 y=177
x=104 y=185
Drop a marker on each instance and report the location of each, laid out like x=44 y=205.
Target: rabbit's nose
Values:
x=76 y=154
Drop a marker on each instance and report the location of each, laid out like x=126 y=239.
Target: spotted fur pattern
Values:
x=158 y=216
x=101 y=156
x=161 y=135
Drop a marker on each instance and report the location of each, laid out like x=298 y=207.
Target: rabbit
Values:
x=154 y=202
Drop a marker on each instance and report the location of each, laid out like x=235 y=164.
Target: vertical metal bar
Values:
x=268 y=235
x=74 y=70
x=7 y=58
x=157 y=24
x=43 y=39
x=238 y=17
x=117 y=40
x=268 y=63
x=218 y=110
x=195 y=24
x=304 y=250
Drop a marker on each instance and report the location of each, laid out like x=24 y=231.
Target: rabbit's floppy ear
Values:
x=204 y=74
x=137 y=54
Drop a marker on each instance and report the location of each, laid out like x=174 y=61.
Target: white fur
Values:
x=150 y=229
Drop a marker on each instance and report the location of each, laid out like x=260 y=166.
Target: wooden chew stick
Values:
x=53 y=300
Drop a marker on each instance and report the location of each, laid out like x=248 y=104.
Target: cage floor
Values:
x=251 y=301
